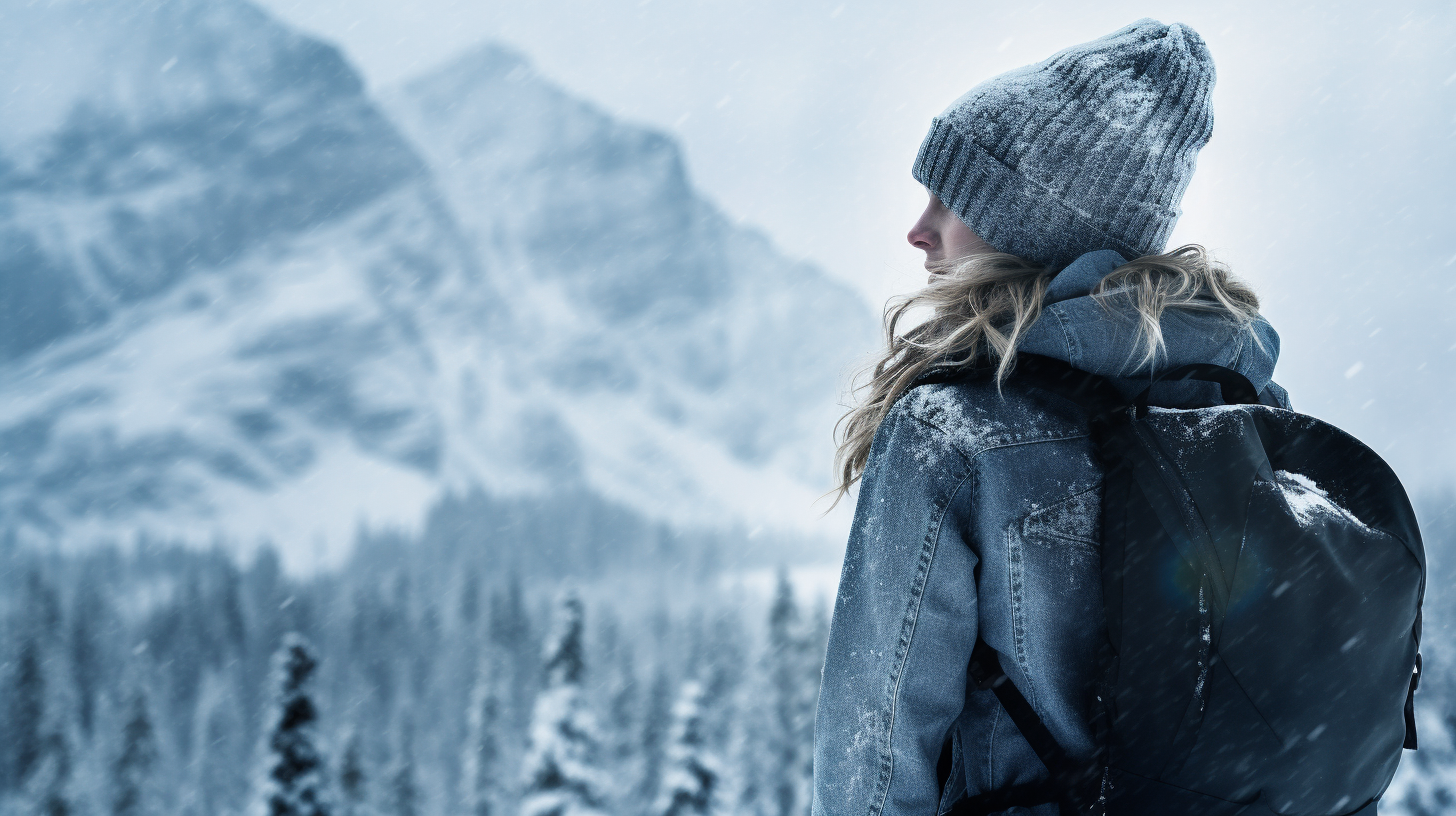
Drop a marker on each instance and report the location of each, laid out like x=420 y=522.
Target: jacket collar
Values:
x=1105 y=340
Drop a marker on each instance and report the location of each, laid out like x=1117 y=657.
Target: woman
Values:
x=979 y=497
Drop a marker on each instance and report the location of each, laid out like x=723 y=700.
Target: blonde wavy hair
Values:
x=981 y=307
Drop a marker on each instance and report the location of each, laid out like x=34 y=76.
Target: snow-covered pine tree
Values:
x=724 y=668
x=132 y=785
x=87 y=652
x=293 y=769
x=511 y=636
x=404 y=789
x=46 y=791
x=36 y=704
x=481 y=764
x=656 y=725
x=793 y=679
x=220 y=737
x=561 y=778
x=623 y=696
x=23 y=725
x=745 y=781
x=353 y=780
x=469 y=607
x=692 y=776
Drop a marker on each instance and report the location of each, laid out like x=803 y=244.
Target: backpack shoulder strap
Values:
x=1092 y=392
x=1070 y=779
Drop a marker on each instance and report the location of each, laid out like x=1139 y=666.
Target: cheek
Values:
x=957 y=234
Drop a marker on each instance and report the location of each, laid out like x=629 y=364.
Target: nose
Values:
x=923 y=235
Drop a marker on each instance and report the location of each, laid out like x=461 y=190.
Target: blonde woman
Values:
x=1053 y=189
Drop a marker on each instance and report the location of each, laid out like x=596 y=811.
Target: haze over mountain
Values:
x=244 y=304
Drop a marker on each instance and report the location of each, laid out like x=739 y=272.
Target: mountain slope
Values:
x=146 y=140
x=640 y=286
x=245 y=309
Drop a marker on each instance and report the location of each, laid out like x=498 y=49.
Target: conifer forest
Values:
x=171 y=681
x=177 y=682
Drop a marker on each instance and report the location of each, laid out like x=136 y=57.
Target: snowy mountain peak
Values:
x=151 y=61
x=519 y=153
x=639 y=286
x=146 y=140
x=245 y=308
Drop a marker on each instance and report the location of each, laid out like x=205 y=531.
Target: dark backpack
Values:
x=1262 y=576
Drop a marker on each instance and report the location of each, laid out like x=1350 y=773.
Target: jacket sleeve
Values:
x=903 y=628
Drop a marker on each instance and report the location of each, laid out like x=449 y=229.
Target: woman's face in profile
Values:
x=944 y=236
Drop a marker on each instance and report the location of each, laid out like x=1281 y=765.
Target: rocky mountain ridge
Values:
x=248 y=304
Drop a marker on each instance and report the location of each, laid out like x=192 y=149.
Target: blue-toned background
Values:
x=384 y=322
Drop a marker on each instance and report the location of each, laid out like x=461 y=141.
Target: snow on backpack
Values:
x=1262 y=576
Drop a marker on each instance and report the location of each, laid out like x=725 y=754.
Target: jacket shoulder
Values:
x=973 y=415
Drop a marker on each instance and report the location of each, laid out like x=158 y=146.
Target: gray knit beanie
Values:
x=1090 y=149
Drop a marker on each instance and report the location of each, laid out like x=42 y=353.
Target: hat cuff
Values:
x=1014 y=214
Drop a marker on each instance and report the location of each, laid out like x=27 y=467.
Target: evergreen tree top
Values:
x=564 y=657
x=294 y=775
x=784 y=612
x=687 y=714
x=692 y=783
x=293 y=664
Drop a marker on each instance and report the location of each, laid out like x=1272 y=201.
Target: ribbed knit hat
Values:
x=1090 y=149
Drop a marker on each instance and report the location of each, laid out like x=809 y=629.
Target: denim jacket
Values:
x=979 y=513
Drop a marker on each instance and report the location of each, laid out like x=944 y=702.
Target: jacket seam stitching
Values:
x=969 y=457
x=1071 y=539
x=1015 y=571
x=991 y=746
x=1065 y=324
x=1041 y=512
x=943 y=432
x=912 y=618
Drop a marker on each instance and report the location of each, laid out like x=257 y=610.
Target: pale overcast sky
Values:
x=1328 y=182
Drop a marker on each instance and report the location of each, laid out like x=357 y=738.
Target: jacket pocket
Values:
x=1054 y=567
x=1076 y=519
